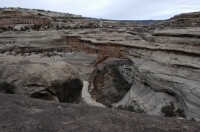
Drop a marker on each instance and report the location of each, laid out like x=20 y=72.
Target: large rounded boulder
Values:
x=109 y=81
x=49 y=81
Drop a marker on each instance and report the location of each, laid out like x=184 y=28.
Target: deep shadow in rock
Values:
x=71 y=91
x=68 y=91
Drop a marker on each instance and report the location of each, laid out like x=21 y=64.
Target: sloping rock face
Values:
x=50 y=81
x=168 y=72
x=125 y=71
x=26 y=114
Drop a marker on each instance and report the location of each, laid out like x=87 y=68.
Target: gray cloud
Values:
x=112 y=9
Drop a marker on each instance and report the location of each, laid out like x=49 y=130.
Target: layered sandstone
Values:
x=123 y=65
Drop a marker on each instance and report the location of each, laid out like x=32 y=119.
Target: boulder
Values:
x=18 y=28
x=109 y=84
x=49 y=80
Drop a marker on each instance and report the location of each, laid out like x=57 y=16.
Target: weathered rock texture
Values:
x=184 y=36
x=108 y=84
x=159 y=67
x=26 y=114
x=179 y=21
x=123 y=68
x=50 y=81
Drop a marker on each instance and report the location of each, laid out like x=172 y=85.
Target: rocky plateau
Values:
x=143 y=73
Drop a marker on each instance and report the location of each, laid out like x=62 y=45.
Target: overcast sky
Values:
x=112 y=9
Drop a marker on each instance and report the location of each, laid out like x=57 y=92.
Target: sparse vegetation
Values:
x=193 y=119
x=131 y=109
x=6 y=87
x=170 y=111
x=36 y=27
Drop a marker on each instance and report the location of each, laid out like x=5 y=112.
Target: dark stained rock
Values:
x=110 y=85
x=24 y=114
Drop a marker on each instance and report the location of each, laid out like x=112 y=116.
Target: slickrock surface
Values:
x=151 y=69
x=172 y=69
x=26 y=114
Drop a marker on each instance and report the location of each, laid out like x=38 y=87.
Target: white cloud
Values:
x=112 y=9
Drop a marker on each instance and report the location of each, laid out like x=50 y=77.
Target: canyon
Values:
x=133 y=75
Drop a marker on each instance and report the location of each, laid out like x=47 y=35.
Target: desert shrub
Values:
x=58 y=27
x=36 y=27
x=193 y=119
x=8 y=88
x=10 y=28
x=180 y=112
x=39 y=14
x=131 y=109
x=169 y=111
x=26 y=28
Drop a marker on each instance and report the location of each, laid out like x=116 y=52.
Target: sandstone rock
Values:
x=170 y=69
x=26 y=114
x=44 y=80
x=184 y=36
x=159 y=73
x=18 y=28
x=179 y=21
x=108 y=84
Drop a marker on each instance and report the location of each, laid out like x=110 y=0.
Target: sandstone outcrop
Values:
x=26 y=114
x=169 y=71
x=183 y=36
x=128 y=66
x=56 y=81
x=179 y=21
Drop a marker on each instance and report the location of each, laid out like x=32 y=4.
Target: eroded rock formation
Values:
x=56 y=81
x=151 y=69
